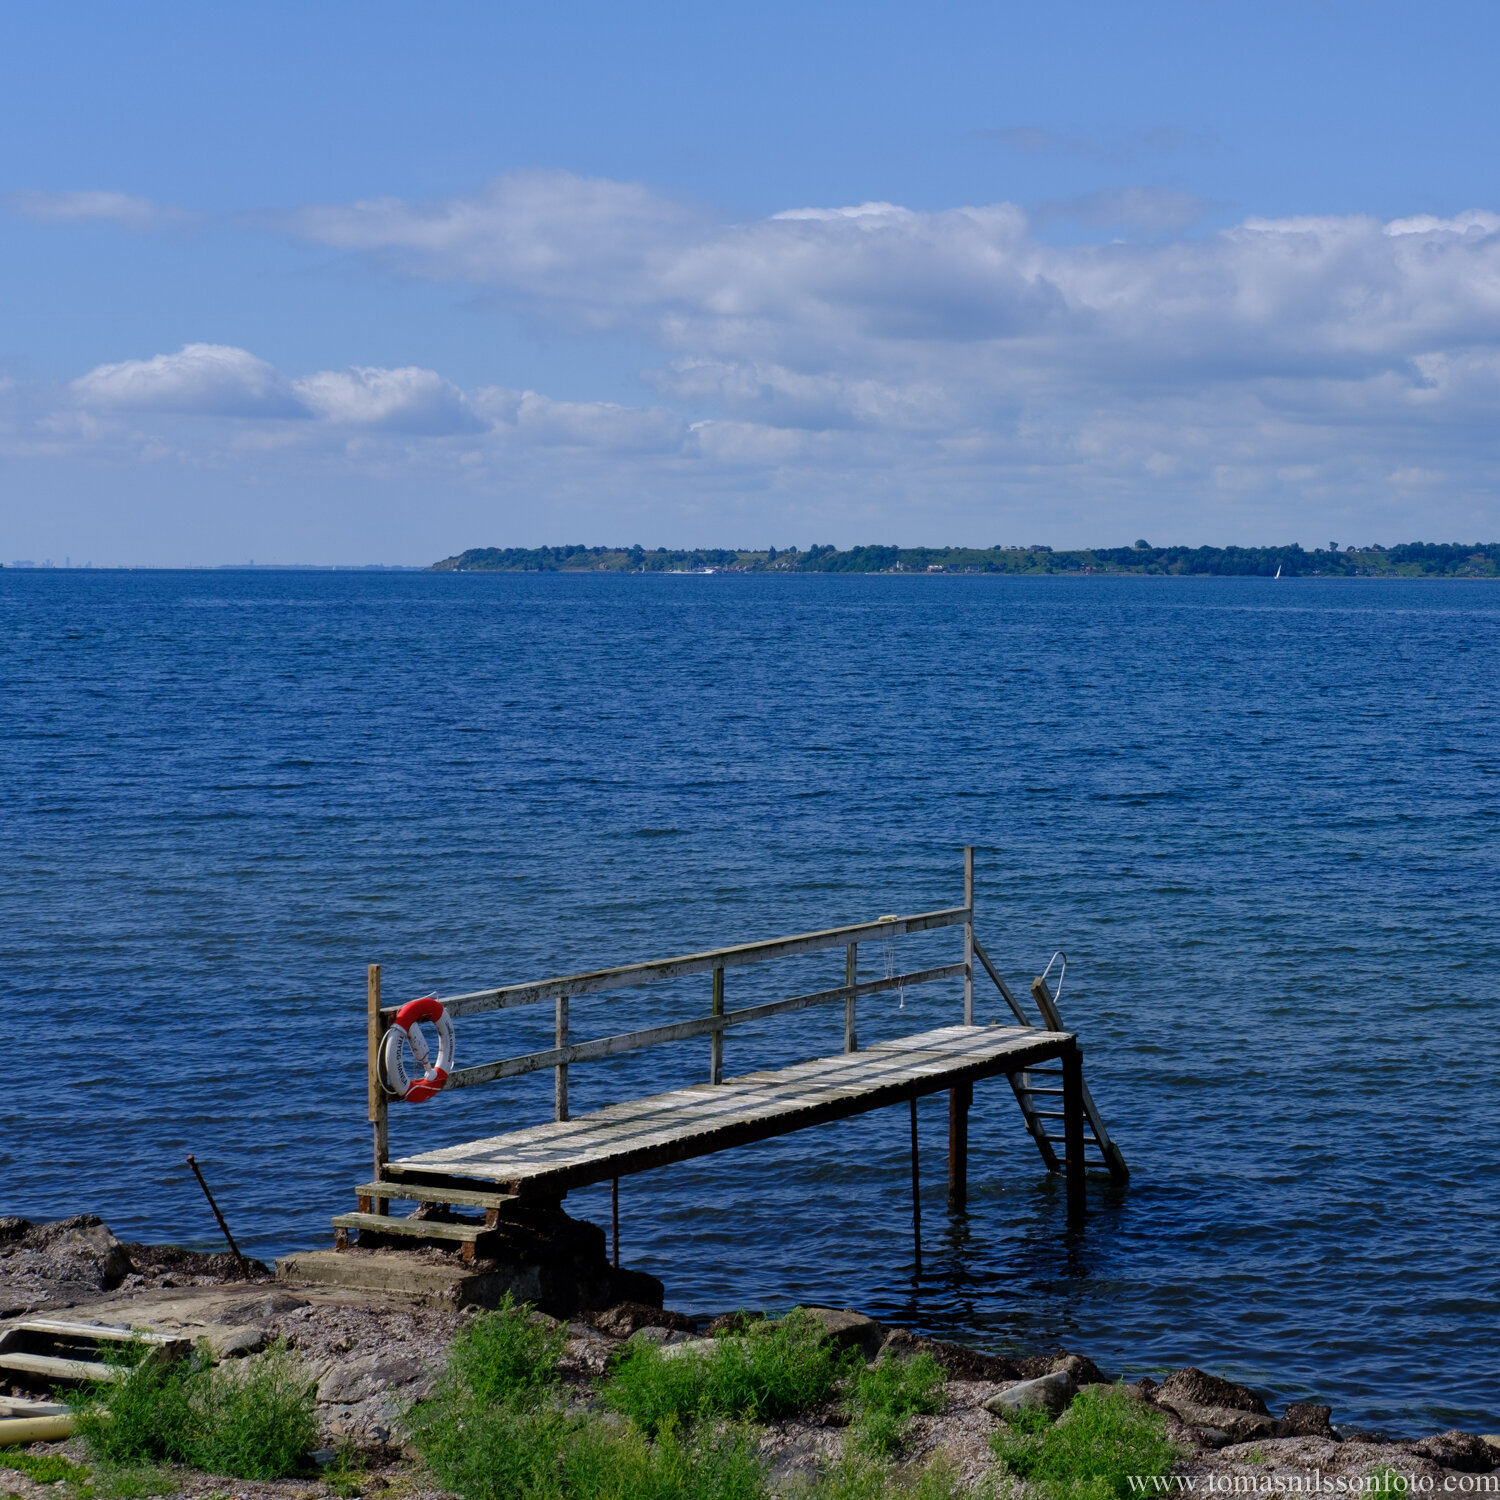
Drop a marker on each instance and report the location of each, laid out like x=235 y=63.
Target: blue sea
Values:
x=1260 y=818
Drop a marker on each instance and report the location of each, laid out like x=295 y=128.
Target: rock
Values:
x=1306 y=1419
x=732 y=1322
x=624 y=1318
x=258 y=1311
x=1050 y=1391
x=1492 y=1438
x=849 y=1329
x=958 y=1363
x=1456 y=1450
x=587 y=1350
x=229 y=1342
x=1200 y=1389
x=77 y=1249
x=679 y=1345
x=1084 y=1371
x=359 y=1379
x=1240 y=1426
x=1210 y=1437
x=12 y=1228
x=656 y=1335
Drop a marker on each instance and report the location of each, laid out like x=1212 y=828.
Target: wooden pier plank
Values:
x=638 y=1134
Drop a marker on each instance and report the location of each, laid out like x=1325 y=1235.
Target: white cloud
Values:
x=936 y=358
x=200 y=379
x=123 y=209
x=409 y=400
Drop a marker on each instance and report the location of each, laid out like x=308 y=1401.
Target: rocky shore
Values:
x=374 y=1353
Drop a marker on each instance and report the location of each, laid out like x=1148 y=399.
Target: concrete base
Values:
x=407 y=1273
x=555 y=1262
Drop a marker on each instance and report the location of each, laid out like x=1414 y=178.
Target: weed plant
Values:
x=252 y=1421
x=770 y=1370
x=497 y=1428
x=1089 y=1452
x=886 y=1395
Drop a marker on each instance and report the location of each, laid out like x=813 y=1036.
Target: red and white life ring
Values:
x=405 y=1032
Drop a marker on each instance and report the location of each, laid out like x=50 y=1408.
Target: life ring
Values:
x=405 y=1031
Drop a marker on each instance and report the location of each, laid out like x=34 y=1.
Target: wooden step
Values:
x=421 y=1193
x=60 y=1369
x=99 y=1332
x=426 y=1229
x=1027 y=1089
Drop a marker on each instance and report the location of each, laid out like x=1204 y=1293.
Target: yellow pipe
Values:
x=15 y=1430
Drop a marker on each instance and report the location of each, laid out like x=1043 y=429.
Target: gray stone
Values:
x=680 y=1344
x=663 y=1336
x=1306 y=1419
x=1202 y=1389
x=1209 y=1437
x=359 y=1379
x=849 y=1329
x=230 y=1342
x=1052 y=1392
x=1240 y=1425
x=1456 y=1450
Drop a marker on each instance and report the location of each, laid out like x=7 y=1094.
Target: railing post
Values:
x=851 y=978
x=716 y=1038
x=969 y=935
x=375 y=1030
x=560 y=1074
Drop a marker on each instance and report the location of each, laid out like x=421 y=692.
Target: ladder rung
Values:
x=1025 y=1090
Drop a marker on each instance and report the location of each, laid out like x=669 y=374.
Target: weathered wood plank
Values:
x=628 y=975
x=430 y=1229
x=681 y=1031
x=426 y=1193
x=640 y=1134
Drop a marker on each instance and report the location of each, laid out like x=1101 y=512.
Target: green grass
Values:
x=43 y=1468
x=770 y=1370
x=252 y=1420
x=497 y=1428
x=1087 y=1453
x=885 y=1396
x=857 y=1476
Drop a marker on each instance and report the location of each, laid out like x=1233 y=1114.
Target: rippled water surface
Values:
x=1260 y=818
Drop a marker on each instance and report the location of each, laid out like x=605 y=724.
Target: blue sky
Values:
x=375 y=283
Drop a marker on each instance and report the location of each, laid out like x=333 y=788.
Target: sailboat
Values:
x=1278 y=572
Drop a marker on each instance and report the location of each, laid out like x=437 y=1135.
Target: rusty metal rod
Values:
x=243 y=1265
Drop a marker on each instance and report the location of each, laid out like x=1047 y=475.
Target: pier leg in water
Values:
x=1072 y=1082
x=960 y=1097
x=916 y=1190
x=614 y=1222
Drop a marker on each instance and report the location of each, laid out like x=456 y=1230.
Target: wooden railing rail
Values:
x=681 y=1031
x=628 y=975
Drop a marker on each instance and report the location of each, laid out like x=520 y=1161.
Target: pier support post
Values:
x=560 y=1073
x=969 y=935
x=716 y=1038
x=1072 y=1082
x=916 y=1190
x=375 y=1029
x=960 y=1097
x=851 y=978
x=614 y=1218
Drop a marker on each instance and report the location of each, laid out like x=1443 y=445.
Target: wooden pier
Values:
x=1040 y=1058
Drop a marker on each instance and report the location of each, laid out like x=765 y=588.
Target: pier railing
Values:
x=714 y=962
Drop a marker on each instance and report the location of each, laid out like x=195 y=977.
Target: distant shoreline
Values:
x=1405 y=560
